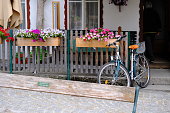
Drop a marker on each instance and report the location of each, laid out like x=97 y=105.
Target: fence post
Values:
x=11 y=44
x=68 y=54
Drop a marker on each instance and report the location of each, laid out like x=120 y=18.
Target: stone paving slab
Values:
x=24 y=101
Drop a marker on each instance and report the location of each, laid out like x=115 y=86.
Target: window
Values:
x=23 y=5
x=83 y=14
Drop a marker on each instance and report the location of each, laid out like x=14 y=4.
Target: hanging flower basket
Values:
x=119 y=2
x=29 y=42
x=97 y=37
x=46 y=37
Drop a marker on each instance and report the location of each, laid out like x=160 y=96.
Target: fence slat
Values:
x=71 y=51
x=48 y=59
x=53 y=59
x=38 y=59
x=97 y=59
x=57 y=59
x=91 y=60
x=101 y=57
x=86 y=60
x=19 y=58
x=43 y=59
x=33 y=59
x=29 y=59
x=24 y=59
x=8 y=54
x=65 y=55
x=3 y=56
x=76 y=54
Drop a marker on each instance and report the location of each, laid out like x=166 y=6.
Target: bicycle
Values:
x=115 y=72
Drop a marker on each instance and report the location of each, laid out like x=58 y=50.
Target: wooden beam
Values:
x=74 y=88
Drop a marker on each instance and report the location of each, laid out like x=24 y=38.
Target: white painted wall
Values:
x=48 y=14
x=128 y=18
x=33 y=13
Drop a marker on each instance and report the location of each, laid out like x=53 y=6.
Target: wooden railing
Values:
x=53 y=59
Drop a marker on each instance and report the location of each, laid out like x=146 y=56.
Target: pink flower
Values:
x=103 y=32
x=36 y=31
x=117 y=36
x=92 y=30
x=34 y=40
x=27 y=31
x=106 y=30
x=41 y=39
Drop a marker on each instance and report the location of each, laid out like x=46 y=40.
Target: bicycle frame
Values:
x=118 y=61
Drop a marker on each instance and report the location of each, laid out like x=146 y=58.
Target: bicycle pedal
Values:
x=106 y=81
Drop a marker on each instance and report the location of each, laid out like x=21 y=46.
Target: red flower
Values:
x=6 y=34
x=7 y=40
x=12 y=39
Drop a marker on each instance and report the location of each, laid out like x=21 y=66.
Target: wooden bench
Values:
x=75 y=88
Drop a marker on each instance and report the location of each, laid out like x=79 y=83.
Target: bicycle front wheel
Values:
x=142 y=71
x=107 y=75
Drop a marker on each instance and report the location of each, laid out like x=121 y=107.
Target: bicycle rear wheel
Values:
x=142 y=71
x=107 y=75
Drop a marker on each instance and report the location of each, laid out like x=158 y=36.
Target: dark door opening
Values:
x=161 y=46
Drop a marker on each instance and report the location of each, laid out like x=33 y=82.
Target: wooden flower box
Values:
x=94 y=43
x=29 y=42
x=1 y=40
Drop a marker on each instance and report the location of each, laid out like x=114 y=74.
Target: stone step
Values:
x=160 y=77
x=158 y=88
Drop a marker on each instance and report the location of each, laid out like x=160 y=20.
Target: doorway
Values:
x=161 y=45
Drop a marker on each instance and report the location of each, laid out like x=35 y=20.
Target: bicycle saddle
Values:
x=133 y=46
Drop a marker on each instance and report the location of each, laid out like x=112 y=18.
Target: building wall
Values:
x=48 y=13
x=128 y=18
x=33 y=13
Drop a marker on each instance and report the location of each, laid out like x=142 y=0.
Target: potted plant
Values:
x=35 y=37
x=4 y=35
x=97 y=37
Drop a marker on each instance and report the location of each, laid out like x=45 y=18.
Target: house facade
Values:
x=82 y=14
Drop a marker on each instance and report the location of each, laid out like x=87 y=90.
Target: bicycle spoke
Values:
x=107 y=76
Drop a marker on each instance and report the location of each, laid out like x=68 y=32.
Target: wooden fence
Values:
x=53 y=59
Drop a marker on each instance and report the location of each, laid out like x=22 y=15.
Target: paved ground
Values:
x=153 y=99
x=23 y=101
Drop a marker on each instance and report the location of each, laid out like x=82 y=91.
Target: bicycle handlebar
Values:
x=118 y=39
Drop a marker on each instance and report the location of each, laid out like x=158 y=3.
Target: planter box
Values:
x=94 y=43
x=29 y=42
x=1 y=40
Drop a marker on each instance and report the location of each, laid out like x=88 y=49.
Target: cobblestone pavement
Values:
x=23 y=101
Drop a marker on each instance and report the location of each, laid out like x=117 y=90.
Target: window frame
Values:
x=83 y=12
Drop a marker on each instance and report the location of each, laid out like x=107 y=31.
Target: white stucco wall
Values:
x=33 y=13
x=48 y=13
x=128 y=18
